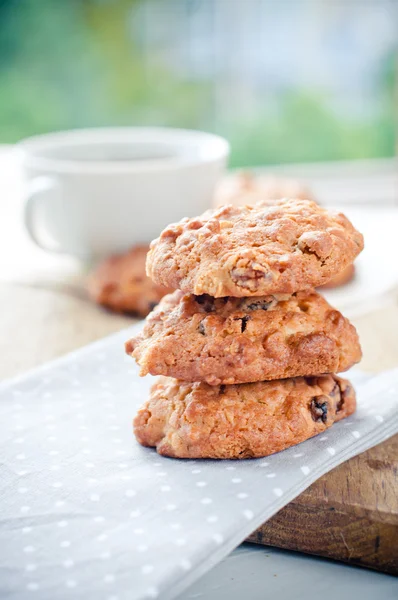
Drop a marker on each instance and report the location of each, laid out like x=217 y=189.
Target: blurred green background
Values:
x=287 y=81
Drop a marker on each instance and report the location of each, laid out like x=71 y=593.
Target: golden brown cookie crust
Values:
x=254 y=250
x=240 y=421
x=120 y=284
x=240 y=340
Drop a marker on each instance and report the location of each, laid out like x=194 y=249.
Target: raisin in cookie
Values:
x=239 y=340
x=256 y=250
x=121 y=284
x=248 y=188
x=196 y=420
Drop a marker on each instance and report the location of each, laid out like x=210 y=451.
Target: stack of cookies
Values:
x=246 y=348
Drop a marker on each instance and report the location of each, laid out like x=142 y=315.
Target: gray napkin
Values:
x=85 y=512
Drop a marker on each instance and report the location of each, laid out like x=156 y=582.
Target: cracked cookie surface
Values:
x=121 y=284
x=254 y=250
x=196 y=420
x=238 y=340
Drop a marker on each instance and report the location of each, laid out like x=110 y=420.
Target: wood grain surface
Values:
x=350 y=514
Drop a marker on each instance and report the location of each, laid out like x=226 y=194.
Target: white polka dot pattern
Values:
x=94 y=515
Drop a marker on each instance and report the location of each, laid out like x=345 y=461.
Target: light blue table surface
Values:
x=258 y=573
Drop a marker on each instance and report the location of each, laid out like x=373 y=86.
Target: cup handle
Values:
x=39 y=193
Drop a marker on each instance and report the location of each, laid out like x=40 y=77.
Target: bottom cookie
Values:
x=195 y=420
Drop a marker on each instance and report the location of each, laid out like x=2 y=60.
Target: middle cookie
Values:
x=241 y=340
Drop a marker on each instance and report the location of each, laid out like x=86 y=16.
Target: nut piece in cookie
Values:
x=248 y=188
x=240 y=340
x=257 y=250
x=121 y=284
x=195 y=420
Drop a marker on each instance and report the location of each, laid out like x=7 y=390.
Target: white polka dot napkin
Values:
x=85 y=512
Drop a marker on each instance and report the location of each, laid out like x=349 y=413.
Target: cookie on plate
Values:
x=248 y=188
x=120 y=283
x=196 y=420
x=239 y=340
x=256 y=250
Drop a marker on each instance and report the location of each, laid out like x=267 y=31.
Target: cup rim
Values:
x=213 y=148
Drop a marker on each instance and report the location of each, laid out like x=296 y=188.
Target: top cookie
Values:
x=256 y=250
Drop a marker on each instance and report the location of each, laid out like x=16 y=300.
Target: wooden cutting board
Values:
x=350 y=514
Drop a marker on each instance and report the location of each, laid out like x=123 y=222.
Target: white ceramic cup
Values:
x=95 y=192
